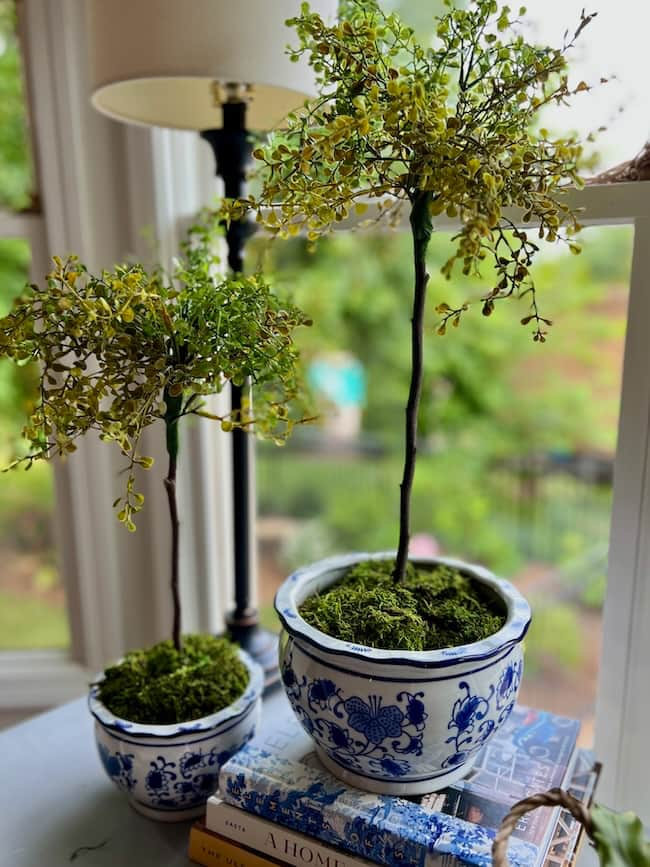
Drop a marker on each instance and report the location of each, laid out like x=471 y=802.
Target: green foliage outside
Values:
x=356 y=287
x=494 y=398
x=15 y=164
x=28 y=617
x=28 y=623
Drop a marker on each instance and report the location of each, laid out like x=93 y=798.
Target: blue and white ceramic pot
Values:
x=169 y=771
x=398 y=722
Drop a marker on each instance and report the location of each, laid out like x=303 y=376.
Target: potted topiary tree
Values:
x=117 y=353
x=401 y=670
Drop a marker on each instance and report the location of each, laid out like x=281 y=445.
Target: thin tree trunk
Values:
x=420 y=219
x=171 y=421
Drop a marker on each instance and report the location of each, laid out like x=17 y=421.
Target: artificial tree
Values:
x=445 y=129
x=130 y=347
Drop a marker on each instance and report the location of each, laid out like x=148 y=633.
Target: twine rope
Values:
x=552 y=798
x=636 y=169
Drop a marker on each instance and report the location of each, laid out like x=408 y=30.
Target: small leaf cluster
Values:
x=619 y=838
x=451 y=124
x=130 y=346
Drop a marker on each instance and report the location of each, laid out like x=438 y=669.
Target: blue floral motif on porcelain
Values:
x=390 y=729
x=188 y=781
x=391 y=721
x=170 y=771
x=358 y=731
x=171 y=783
x=471 y=725
x=118 y=766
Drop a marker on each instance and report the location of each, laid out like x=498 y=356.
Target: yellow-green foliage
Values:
x=128 y=347
x=450 y=124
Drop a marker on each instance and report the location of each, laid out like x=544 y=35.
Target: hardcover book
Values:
x=273 y=841
x=278 y=777
x=232 y=838
x=568 y=833
x=532 y=752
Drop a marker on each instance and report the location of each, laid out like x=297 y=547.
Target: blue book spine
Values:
x=385 y=829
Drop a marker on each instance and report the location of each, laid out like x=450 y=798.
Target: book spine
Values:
x=418 y=855
x=273 y=840
x=566 y=782
x=209 y=851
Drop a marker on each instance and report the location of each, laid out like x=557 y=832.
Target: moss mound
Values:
x=429 y=610
x=162 y=686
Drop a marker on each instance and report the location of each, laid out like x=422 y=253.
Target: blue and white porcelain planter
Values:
x=169 y=771
x=398 y=722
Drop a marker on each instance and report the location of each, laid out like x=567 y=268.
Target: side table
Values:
x=57 y=804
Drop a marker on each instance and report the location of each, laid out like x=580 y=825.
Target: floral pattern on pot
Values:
x=470 y=714
x=356 y=728
x=118 y=766
x=169 y=771
x=398 y=722
x=391 y=730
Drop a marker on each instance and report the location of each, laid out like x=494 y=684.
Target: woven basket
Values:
x=552 y=798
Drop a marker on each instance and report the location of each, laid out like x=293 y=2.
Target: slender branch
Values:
x=420 y=219
x=174 y=405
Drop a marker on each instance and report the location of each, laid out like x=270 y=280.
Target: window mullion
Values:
x=623 y=705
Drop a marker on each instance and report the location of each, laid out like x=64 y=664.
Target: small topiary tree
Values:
x=443 y=129
x=130 y=347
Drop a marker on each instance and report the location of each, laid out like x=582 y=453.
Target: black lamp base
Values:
x=232 y=146
x=261 y=644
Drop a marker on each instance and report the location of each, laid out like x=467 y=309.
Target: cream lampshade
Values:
x=155 y=62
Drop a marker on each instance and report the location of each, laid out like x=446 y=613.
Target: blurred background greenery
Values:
x=32 y=611
x=516 y=439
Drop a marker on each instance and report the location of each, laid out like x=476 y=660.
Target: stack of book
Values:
x=277 y=805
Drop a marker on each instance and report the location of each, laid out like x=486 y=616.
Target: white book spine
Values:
x=273 y=840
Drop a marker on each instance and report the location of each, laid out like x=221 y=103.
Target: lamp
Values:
x=218 y=67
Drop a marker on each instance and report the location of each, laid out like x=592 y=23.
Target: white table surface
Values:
x=55 y=798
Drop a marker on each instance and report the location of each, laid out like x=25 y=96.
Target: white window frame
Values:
x=101 y=184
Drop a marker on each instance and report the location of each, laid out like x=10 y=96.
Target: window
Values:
x=517 y=440
x=32 y=598
x=101 y=184
x=546 y=507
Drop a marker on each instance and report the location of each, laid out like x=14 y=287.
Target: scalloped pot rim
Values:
x=231 y=714
x=306 y=580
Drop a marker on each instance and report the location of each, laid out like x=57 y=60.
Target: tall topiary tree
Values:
x=444 y=129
